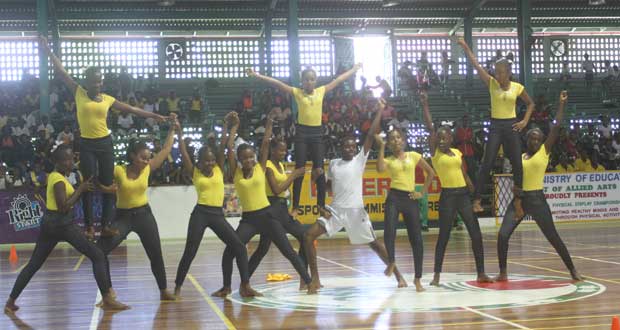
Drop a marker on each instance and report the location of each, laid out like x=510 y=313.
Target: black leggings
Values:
x=399 y=202
x=97 y=159
x=309 y=139
x=501 y=133
x=263 y=222
x=58 y=227
x=534 y=204
x=204 y=217
x=141 y=221
x=451 y=201
x=292 y=226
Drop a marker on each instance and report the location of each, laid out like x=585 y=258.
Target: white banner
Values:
x=578 y=196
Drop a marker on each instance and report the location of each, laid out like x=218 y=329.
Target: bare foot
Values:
x=246 y=291
x=110 y=304
x=112 y=293
x=484 y=278
x=314 y=287
x=10 y=306
x=302 y=285
x=222 y=293
x=576 y=276
x=502 y=277
x=164 y=295
x=389 y=270
x=109 y=232
x=477 y=207
x=177 y=291
x=435 y=281
x=418 y=285
x=402 y=283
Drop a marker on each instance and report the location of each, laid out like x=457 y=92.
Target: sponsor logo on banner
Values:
x=24 y=213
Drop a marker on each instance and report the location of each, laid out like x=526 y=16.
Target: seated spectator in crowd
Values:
x=542 y=113
x=46 y=127
x=195 y=109
x=616 y=142
x=589 y=141
x=37 y=177
x=173 y=102
x=604 y=129
x=582 y=164
x=20 y=128
x=151 y=105
x=66 y=136
x=564 y=166
x=595 y=166
x=125 y=122
x=608 y=155
x=401 y=122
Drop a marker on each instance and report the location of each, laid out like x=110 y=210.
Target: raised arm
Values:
x=220 y=157
x=65 y=204
x=271 y=81
x=555 y=129
x=519 y=126
x=342 y=78
x=188 y=165
x=124 y=107
x=230 y=144
x=264 y=146
x=159 y=158
x=428 y=121
x=376 y=122
x=58 y=67
x=484 y=75
x=381 y=156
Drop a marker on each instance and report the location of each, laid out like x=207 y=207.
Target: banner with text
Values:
x=573 y=196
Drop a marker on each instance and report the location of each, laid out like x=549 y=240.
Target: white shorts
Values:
x=355 y=221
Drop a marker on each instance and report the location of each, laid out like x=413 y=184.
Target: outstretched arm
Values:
x=271 y=81
x=342 y=78
x=159 y=158
x=264 y=147
x=58 y=67
x=376 y=122
x=220 y=158
x=230 y=144
x=124 y=107
x=428 y=121
x=555 y=129
x=188 y=165
x=484 y=75
x=279 y=188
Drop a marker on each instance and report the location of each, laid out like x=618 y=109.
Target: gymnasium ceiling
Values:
x=246 y=17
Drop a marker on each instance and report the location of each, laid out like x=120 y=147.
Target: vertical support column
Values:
x=293 y=47
x=547 y=55
x=42 y=15
x=524 y=30
x=268 y=38
x=395 y=62
x=468 y=26
x=55 y=28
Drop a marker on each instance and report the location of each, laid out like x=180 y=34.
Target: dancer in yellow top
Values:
x=208 y=177
x=308 y=127
x=402 y=198
x=535 y=161
x=133 y=213
x=505 y=126
x=96 y=151
x=455 y=188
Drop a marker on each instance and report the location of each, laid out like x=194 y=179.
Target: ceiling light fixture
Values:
x=389 y=3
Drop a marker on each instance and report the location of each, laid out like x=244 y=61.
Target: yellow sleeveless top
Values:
x=279 y=176
x=309 y=106
x=91 y=115
x=448 y=169
x=534 y=169
x=402 y=172
x=52 y=179
x=210 y=189
x=131 y=193
x=251 y=191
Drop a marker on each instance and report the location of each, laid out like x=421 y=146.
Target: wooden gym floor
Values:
x=356 y=295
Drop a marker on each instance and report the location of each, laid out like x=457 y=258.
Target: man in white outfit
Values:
x=344 y=178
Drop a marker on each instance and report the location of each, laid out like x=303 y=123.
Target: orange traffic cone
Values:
x=615 y=323
x=13 y=255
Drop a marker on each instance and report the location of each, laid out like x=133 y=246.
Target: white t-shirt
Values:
x=125 y=121
x=605 y=131
x=49 y=129
x=346 y=178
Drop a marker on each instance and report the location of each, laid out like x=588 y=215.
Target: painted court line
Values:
x=211 y=303
x=79 y=263
x=94 y=320
x=498 y=319
x=587 y=277
x=345 y=266
x=20 y=268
